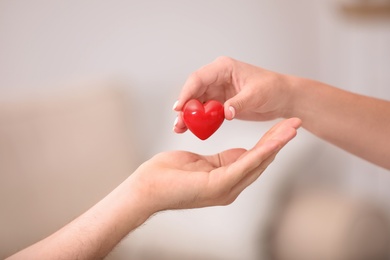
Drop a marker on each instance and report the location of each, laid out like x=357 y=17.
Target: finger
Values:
x=215 y=73
x=254 y=174
x=179 y=126
x=282 y=133
x=278 y=131
x=233 y=192
x=238 y=103
x=249 y=161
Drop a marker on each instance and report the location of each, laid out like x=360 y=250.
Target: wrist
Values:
x=294 y=92
x=135 y=201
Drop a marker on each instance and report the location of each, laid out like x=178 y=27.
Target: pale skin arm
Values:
x=359 y=124
x=171 y=180
x=356 y=123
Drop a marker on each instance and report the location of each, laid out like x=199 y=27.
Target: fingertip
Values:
x=292 y=130
x=178 y=105
x=295 y=122
x=179 y=126
x=230 y=112
x=176 y=121
x=174 y=107
x=179 y=130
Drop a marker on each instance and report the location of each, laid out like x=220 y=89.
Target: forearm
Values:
x=356 y=123
x=95 y=233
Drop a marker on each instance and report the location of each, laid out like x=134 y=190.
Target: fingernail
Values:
x=175 y=105
x=175 y=123
x=233 y=111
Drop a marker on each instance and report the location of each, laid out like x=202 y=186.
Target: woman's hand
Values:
x=248 y=92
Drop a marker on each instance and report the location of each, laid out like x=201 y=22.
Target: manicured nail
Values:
x=175 y=105
x=174 y=124
x=233 y=111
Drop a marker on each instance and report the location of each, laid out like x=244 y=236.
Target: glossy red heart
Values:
x=203 y=119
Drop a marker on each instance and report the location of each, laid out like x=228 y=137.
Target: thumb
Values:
x=235 y=105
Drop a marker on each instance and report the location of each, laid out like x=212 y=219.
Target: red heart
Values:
x=203 y=119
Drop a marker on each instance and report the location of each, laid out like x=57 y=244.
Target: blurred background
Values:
x=86 y=91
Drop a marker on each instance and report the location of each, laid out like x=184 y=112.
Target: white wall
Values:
x=154 y=45
x=355 y=55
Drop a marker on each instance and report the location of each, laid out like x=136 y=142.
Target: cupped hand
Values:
x=179 y=179
x=247 y=92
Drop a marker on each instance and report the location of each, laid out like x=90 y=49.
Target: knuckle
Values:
x=224 y=60
x=239 y=104
x=196 y=79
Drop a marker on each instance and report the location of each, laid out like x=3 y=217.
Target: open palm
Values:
x=180 y=179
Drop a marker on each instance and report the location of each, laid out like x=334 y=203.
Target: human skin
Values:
x=356 y=123
x=168 y=181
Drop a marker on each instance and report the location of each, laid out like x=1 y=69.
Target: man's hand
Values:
x=177 y=180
